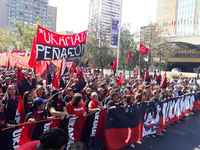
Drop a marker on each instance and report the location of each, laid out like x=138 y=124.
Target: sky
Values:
x=72 y=15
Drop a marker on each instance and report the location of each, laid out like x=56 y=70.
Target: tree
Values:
x=100 y=56
x=127 y=43
x=19 y=37
x=161 y=50
x=24 y=35
x=6 y=39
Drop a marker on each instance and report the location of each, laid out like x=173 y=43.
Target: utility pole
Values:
x=118 y=44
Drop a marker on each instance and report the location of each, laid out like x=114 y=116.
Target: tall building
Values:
x=179 y=21
x=4 y=13
x=188 y=21
x=102 y=14
x=166 y=16
x=179 y=18
x=26 y=11
x=52 y=17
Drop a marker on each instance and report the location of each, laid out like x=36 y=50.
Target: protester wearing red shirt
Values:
x=94 y=104
x=76 y=106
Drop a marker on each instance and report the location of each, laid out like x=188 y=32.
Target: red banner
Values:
x=13 y=60
x=53 y=46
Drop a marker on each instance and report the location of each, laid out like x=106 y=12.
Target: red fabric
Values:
x=72 y=69
x=32 y=58
x=129 y=56
x=20 y=110
x=26 y=134
x=118 y=138
x=78 y=111
x=19 y=52
x=44 y=36
x=39 y=66
x=56 y=79
x=20 y=74
x=163 y=83
x=143 y=50
x=29 y=146
x=79 y=128
x=120 y=80
x=93 y=104
x=138 y=132
x=114 y=64
x=79 y=73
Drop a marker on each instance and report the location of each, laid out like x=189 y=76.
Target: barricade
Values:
x=108 y=129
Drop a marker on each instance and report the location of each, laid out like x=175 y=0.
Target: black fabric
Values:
x=57 y=104
x=10 y=110
x=125 y=117
x=79 y=86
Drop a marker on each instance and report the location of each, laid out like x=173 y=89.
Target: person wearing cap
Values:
x=38 y=111
x=76 y=106
x=94 y=104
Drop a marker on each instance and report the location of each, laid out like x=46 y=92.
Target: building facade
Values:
x=179 y=18
x=4 y=13
x=52 y=17
x=183 y=16
x=101 y=16
x=26 y=11
x=166 y=16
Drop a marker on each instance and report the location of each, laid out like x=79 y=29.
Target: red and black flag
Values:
x=94 y=133
x=12 y=138
x=38 y=66
x=120 y=126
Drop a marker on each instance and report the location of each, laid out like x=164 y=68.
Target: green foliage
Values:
x=24 y=34
x=6 y=40
x=19 y=37
x=127 y=43
x=100 y=56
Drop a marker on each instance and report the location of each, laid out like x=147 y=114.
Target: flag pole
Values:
x=118 y=45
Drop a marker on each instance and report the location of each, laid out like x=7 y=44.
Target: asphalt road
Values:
x=182 y=136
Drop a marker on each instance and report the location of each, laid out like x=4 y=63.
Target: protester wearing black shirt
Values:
x=28 y=101
x=11 y=103
x=3 y=123
x=56 y=105
x=38 y=111
x=115 y=100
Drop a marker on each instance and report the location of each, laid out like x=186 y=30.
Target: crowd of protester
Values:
x=82 y=92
